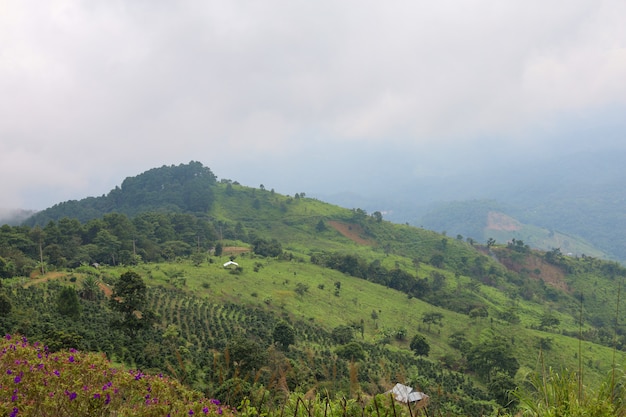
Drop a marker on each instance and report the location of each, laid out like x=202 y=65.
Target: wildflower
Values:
x=215 y=401
x=56 y=372
x=9 y=372
x=190 y=412
x=7 y=337
x=14 y=412
x=96 y=396
x=71 y=358
x=205 y=410
x=108 y=399
x=72 y=395
x=17 y=379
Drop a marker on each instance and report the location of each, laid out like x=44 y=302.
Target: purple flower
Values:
x=9 y=372
x=7 y=337
x=71 y=358
x=57 y=373
x=17 y=379
x=14 y=412
x=96 y=396
x=72 y=395
x=108 y=399
x=215 y=401
x=190 y=412
x=205 y=410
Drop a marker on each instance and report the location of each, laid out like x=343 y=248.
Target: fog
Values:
x=351 y=100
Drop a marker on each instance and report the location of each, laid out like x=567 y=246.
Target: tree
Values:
x=284 y=335
x=501 y=385
x=301 y=288
x=218 y=249
x=129 y=298
x=342 y=334
x=68 y=303
x=352 y=351
x=7 y=270
x=321 y=226
x=548 y=319
x=432 y=318
x=419 y=345
x=5 y=305
x=494 y=353
x=91 y=288
x=108 y=244
x=246 y=354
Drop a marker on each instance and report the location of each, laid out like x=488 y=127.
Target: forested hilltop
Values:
x=321 y=300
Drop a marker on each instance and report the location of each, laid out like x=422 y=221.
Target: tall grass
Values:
x=556 y=394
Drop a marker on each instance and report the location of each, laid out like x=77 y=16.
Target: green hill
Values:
x=323 y=300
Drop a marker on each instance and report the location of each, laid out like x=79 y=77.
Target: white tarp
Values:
x=405 y=394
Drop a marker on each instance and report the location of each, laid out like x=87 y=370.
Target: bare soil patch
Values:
x=37 y=279
x=550 y=274
x=353 y=232
x=500 y=221
x=234 y=250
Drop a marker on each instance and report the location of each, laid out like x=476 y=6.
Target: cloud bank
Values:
x=275 y=91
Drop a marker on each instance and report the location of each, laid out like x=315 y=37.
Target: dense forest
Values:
x=139 y=275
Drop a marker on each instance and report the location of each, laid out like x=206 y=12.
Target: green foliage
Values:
x=182 y=188
x=5 y=305
x=73 y=383
x=551 y=393
x=342 y=334
x=352 y=351
x=419 y=345
x=284 y=335
x=67 y=303
x=266 y=248
x=376 y=266
x=494 y=353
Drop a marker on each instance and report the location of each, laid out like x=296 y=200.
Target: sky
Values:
x=301 y=96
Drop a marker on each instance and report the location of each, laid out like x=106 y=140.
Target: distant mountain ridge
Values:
x=581 y=195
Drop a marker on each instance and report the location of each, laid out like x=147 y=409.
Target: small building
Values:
x=406 y=394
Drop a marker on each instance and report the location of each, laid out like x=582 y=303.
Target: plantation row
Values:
x=229 y=350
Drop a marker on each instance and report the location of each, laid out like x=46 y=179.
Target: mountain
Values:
x=184 y=188
x=484 y=219
x=323 y=299
x=14 y=216
x=578 y=194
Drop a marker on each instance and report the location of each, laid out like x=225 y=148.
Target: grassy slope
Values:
x=293 y=223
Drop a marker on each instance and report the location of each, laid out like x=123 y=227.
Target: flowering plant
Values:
x=37 y=382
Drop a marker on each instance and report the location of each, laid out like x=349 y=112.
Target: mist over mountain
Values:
x=577 y=193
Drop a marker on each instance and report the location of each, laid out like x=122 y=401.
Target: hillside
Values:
x=484 y=219
x=577 y=194
x=323 y=299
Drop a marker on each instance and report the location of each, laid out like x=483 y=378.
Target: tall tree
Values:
x=129 y=298
x=68 y=303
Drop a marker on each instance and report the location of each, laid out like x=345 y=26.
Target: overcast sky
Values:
x=298 y=95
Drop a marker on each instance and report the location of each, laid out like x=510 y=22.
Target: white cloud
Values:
x=146 y=83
